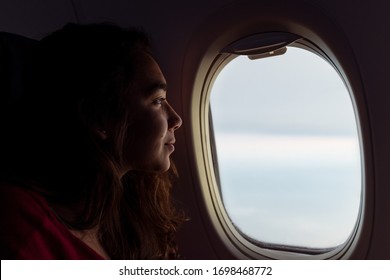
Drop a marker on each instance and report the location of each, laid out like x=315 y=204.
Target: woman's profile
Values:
x=86 y=171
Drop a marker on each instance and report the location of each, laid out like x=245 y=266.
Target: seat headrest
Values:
x=15 y=52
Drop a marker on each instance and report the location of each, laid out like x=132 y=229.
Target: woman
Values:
x=87 y=171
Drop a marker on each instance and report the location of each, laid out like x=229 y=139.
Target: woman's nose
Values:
x=174 y=120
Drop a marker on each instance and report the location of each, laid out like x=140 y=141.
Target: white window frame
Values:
x=220 y=64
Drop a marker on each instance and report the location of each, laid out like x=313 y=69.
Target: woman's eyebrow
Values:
x=157 y=86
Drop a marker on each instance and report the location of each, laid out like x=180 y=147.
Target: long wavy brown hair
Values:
x=79 y=77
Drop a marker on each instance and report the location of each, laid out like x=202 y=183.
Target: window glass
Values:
x=287 y=147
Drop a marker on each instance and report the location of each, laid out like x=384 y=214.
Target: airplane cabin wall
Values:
x=172 y=24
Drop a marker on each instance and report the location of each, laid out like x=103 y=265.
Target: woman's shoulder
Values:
x=18 y=202
x=22 y=216
x=29 y=229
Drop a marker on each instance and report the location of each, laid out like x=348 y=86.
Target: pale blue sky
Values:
x=288 y=149
x=278 y=94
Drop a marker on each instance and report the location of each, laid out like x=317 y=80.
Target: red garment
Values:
x=30 y=230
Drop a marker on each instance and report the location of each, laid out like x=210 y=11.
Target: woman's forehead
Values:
x=148 y=75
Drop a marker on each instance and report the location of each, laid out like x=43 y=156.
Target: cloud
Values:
x=282 y=150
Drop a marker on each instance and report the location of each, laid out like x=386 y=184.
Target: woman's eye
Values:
x=160 y=100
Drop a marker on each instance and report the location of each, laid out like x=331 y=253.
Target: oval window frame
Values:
x=260 y=53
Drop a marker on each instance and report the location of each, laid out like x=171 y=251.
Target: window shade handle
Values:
x=262 y=44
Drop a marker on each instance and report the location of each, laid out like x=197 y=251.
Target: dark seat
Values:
x=15 y=52
x=15 y=55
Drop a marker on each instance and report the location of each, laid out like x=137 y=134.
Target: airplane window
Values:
x=287 y=149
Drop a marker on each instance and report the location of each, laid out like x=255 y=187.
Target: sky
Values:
x=288 y=149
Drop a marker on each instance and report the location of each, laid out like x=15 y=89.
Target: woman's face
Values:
x=152 y=121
